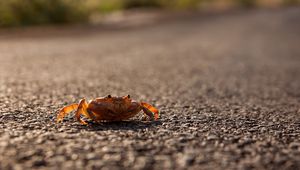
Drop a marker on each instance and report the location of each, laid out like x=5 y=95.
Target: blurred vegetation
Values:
x=31 y=12
x=36 y=12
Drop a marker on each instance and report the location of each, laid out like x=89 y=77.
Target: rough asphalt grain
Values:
x=228 y=87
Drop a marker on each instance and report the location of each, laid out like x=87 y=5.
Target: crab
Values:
x=108 y=108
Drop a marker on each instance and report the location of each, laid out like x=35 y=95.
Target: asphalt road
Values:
x=227 y=86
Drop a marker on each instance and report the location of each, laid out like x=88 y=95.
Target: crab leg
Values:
x=82 y=110
x=65 y=110
x=151 y=111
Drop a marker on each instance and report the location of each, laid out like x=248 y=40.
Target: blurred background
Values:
x=37 y=12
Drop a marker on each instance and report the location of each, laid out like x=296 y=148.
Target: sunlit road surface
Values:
x=227 y=86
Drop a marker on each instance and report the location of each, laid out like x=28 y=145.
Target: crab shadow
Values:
x=120 y=125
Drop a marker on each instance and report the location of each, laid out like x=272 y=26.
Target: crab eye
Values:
x=109 y=96
x=128 y=96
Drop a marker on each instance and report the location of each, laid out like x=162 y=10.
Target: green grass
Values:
x=37 y=12
x=34 y=12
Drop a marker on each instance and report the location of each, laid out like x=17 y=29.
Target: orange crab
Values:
x=108 y=109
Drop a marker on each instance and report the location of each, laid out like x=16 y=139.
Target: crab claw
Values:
x=64 y=111
x=149 y=108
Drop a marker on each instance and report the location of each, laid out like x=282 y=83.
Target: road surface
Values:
x=227 y=86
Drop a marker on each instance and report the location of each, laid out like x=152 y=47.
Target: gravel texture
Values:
x=227 y=86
